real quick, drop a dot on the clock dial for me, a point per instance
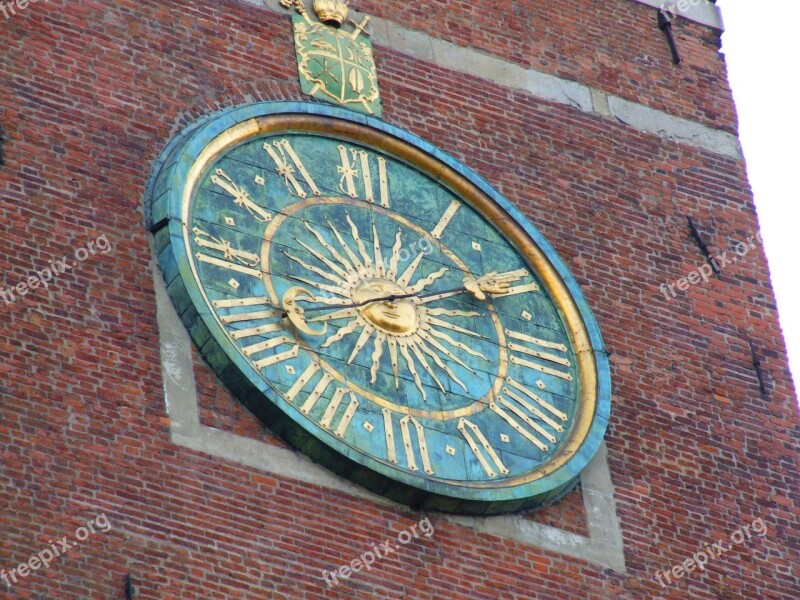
(393, 307)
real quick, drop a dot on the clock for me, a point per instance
(381, 307)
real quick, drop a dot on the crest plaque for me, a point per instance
(334, 56)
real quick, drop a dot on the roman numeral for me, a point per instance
(246, 316)
(302, 381)
(474, 435)
(288, 163)
(355, 162)
(522, 409)
(240, 196)
(541, 402)
(317, 392)
(445, 220)
(518, 289)
(408, 444)
(333, 406)
(242, 302)
(240, 261)
(256, 309)
(239, 334)
(548, 357)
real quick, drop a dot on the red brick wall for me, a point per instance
(90, 92)
(614, 46)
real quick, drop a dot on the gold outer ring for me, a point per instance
(478, 200)
(440, 415)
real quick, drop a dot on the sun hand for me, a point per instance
(492, 283)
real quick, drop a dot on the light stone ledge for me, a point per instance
(603, 546)
(704, 12)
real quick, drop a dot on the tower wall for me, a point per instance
(576, 114)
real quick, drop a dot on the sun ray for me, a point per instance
(377, 353)
(436, 297)
(395, 260)
(346, 330)
(437, 359)
(353, 258)
(320, 286)
(328, 263)
(422, 361)
(393, 358)
(334, 253)
(362, 249)
(412, 368)
(337, 314)
(380, 268)
(446, 312)
(330, 301)
(313, 269)
(409, 272)
(436, 344)
(443, 336)
(451, 327)
(362, 341)
(423, 283)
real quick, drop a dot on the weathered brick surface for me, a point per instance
(614, 46)
(90, 92)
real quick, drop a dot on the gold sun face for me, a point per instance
(379, 303)
(393, 316)
(399, 320)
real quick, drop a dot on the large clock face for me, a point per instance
(391, 306)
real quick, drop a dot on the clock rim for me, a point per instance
(218, 132)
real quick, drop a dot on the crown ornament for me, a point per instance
(331, 12)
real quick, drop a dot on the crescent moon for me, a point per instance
(296, 314)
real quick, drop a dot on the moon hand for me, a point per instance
(296, 314)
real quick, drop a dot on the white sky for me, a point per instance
(761, 50)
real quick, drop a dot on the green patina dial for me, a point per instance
(392, 316)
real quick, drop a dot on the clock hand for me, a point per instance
(295, 313)
(492, 283)
(389, 298)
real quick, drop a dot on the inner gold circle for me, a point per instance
(479, 404)
(394, 317)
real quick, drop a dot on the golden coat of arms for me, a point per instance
(334, 56)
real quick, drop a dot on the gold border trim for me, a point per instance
(483, 204)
